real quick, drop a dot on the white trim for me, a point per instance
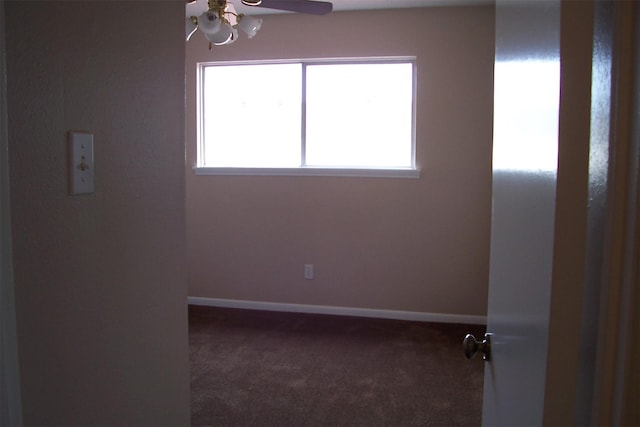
(316, 61)
(382, 171)
(339, 311)
(311, 171)
(360, 60)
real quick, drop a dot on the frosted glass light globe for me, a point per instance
(209, 22)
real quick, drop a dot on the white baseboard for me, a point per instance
(340, 311)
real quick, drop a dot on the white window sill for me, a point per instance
(309, 171)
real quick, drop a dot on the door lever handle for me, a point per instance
(471, 346)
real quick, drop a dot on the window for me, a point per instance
(351, 117)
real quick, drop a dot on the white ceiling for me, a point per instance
(342, 5)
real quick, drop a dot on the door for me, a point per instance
(550, 196)
(525, 152)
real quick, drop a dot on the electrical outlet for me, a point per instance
(308, 271)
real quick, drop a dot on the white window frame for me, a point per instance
(305, 170)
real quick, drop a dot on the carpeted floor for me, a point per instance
(257, 368)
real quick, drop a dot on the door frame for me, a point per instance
(10, 401)
(617, 374)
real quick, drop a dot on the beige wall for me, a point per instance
(100, 279)
(398, 244)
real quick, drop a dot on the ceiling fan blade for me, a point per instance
(301, 6)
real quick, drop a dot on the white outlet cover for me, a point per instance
(80, 163)
(308, 271)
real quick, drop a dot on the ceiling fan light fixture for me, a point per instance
(249, 25)
(220, 23)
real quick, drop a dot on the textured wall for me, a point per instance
(100, 279)
(399, 244)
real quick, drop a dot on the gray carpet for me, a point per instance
(257, 368)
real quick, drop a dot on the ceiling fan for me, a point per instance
(220, 21)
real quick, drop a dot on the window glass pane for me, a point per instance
(252, 116)
(359, 115)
